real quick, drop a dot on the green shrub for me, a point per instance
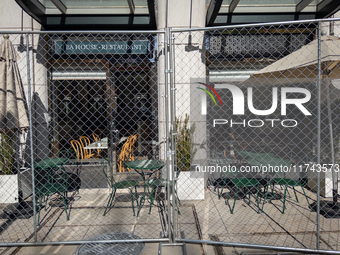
(185, 148)
(6, 154)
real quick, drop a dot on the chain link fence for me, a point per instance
(91, 104)
(256, 128)
(228, 135)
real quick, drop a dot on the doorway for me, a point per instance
(135, 111)
(78, 109)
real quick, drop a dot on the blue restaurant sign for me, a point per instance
(102, 47)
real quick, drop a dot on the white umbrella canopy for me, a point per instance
(13, 110)
(301, 66)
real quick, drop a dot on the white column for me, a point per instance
(189, 64)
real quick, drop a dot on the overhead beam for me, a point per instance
(33, 8)
(60, 5)
(212, 12)
(131, 6)
(233, 5)
(96, 22)
(302, 5)
(327, 8)
(152, 13)
(249, 18)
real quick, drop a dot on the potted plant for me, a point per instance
(185, 149)
(6, 154)
(8, 179)
(190, 186)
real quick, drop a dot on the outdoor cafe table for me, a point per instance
(103, 143)
(262, 160)
(145, 168)
(50, 163)
(47, 170)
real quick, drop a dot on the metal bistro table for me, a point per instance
(47, 170)
(50, 163)
(103, 144)
(43, 168)
(145, 168)
(46, 166)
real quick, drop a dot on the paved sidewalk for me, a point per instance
(149, 249)
(208, 219)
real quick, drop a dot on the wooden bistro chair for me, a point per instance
(96, 138)
(85, 141)
(126, 154)
(76, 145)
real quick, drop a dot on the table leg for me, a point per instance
(140, 204)
(142, 199)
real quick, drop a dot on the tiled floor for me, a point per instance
(208, 219)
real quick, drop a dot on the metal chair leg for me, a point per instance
(265, 196)
(142, 199)
(65, 206)
(297, 200)
(136, 194)
(258, 200)
(305, 196)
(133, 205)
(220, 193)
(248, 196)
(109, 203)
(39, 209)
(232, 209)
(152, 198)
(284, 200)
(179, 201)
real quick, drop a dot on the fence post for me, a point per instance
(318, 139)
(173, 134)
(168, 149)
(31, 133)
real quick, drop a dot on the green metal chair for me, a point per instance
(48, 189)
(289, 183)
(74, 181)
(245, 184)
(147, 168)
(268, 159)
(156, 184)
(48, 182)
(114, 186)
(231, 181)
(225, 179)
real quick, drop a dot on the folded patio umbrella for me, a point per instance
(13, 110)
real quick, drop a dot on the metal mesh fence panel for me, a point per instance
(256, 145)
(227, 135)
(88, 104)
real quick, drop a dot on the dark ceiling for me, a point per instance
(141, 14)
